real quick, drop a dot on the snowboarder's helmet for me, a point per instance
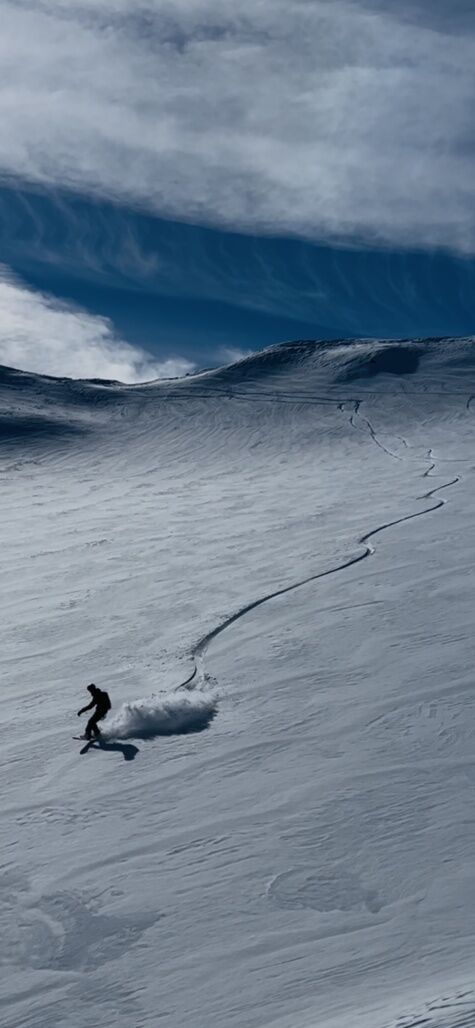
(91, 687)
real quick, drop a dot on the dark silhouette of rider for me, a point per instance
(100, 700)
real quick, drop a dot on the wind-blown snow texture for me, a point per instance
(277, 556)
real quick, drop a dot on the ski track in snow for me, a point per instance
(197, 677)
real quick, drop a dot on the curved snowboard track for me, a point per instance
(201, 646)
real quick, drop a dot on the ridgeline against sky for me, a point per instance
(184, 182)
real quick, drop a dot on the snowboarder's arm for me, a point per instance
(89, 707)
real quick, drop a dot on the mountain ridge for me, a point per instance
(354, 357)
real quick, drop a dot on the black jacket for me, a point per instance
(100, 700)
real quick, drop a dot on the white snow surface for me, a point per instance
(278, 557)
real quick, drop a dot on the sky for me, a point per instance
(183, 183)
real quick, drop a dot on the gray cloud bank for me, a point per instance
(323, 119)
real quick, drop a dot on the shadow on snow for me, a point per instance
(129, 752)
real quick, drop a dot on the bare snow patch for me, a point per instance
(162, 714)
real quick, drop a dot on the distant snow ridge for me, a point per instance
(162, 714)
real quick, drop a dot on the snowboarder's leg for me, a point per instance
(92, 727)
(95, 727)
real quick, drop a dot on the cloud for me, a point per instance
(38, 333)
(232, 354)
(325, 119)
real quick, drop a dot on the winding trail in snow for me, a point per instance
(198, 651)
(371, 431)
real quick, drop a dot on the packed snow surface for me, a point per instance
(269, 567)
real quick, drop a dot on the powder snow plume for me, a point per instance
(163, 714)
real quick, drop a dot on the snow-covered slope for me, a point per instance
(269, 567)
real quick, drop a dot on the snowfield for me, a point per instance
(270, 569)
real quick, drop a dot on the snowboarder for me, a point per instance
(100, 700)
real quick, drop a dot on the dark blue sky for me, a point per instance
(179, 288)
